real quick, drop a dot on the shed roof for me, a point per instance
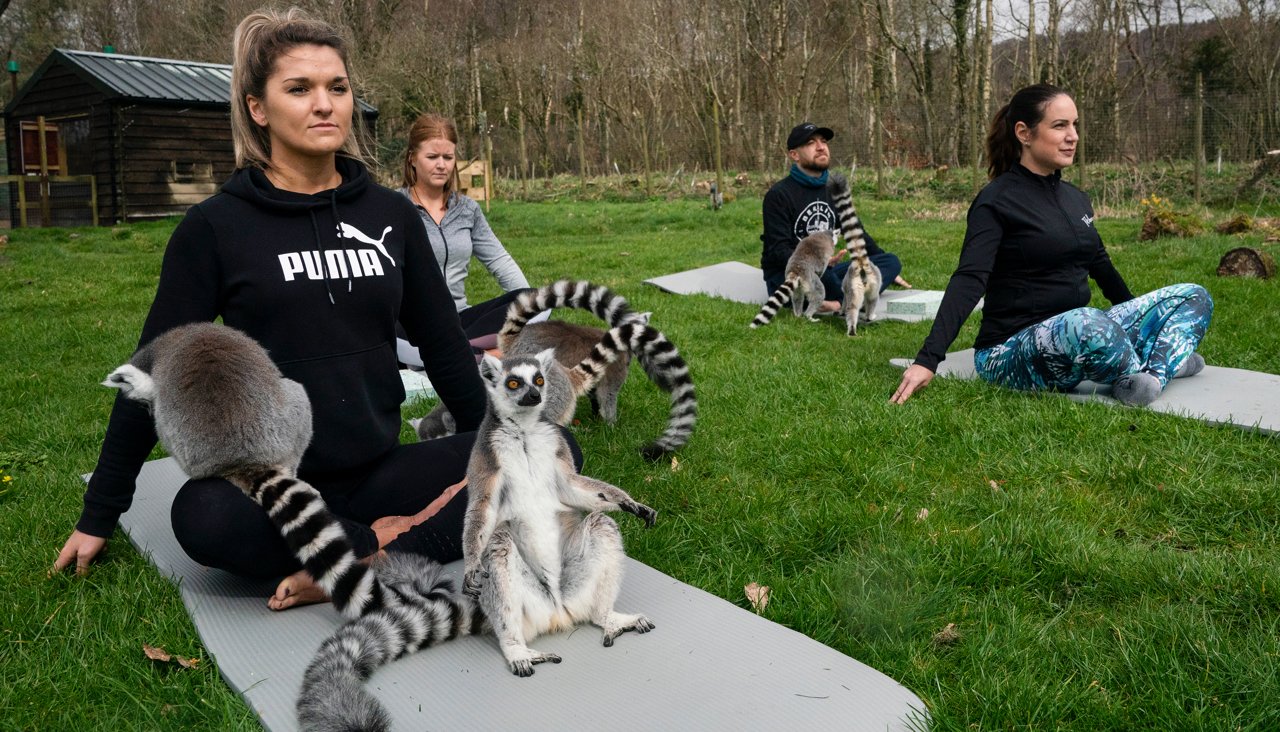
(147, 79)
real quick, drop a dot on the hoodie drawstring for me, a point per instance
(337, 227)
(324, 263)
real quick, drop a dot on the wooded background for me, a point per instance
(642, 86)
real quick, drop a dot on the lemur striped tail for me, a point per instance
(314, 536)
(399, 604)
(582, 295)
(427, 611)
(656, 354)
(665, 367)
(850, 224)
(776, 302)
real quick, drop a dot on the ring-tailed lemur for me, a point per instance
(539, 553)
(572, 344)
(656, 354)
(861, 284)
(222, 408)
(803, 283)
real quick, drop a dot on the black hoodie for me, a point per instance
(320, 281)
(1030, 246)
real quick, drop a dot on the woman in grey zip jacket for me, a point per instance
(455, 224)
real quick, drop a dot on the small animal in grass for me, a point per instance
(574, 346)
(717, 198)
(802, 286)
(540, 553)
(222, 408)
(861, 283)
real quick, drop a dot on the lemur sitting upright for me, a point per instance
(539, 552)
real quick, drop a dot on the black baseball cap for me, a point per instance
(804, 132)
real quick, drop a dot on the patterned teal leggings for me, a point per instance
(1154, 332)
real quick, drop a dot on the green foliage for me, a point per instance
(1160, 218)
(1105, 568)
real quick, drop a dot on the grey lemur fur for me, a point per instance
(539, 552)
(222, 408)
(803, 283)
(861, 284)
(656, 354)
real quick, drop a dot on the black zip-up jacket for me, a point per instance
(1030, 247)
(791, 212)
(320, 281)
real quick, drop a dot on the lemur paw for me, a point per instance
(644, 512)
(638, 623)
(471, 582)
(523, 667)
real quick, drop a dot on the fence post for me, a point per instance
(46, 192)
(22, 202)
(1199, 132)
(879, 140)
(93, 197)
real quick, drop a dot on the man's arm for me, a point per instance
(779, 237)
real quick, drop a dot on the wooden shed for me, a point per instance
(145, 137)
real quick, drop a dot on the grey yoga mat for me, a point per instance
(1217, 395)
(745, 284)
(709, 665)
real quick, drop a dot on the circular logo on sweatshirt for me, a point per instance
(817, 216)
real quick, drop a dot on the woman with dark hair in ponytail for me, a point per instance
(1030, 248)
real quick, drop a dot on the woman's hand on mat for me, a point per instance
(388, 528)
(915, 378)
(79, 550)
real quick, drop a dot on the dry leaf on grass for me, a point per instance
(155, 653)
(948, 636)
(922, 515)
(758, 594)
(675, 463)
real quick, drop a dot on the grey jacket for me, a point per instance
(462, 233)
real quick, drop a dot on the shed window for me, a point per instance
(190, 171)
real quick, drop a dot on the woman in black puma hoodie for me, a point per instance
(307, 255)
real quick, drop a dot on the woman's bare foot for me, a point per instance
(296, 589)
(901, 282)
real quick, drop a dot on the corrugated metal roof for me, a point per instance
(143, 78)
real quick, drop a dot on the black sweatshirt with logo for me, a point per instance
(320, 281)
(1030, 247)
(791, 212)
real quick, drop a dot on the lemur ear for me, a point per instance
(490, 368)
(546, 357)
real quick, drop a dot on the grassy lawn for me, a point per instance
(1104, 567)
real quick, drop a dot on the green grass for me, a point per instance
(1104, 567)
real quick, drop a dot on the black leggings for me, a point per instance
(218, 526)
(486, 318)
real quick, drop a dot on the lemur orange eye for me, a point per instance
(513, 384)
(539, 381)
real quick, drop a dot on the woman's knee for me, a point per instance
(218, 526)
(1198, 294)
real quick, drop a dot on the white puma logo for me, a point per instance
(350, 232)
